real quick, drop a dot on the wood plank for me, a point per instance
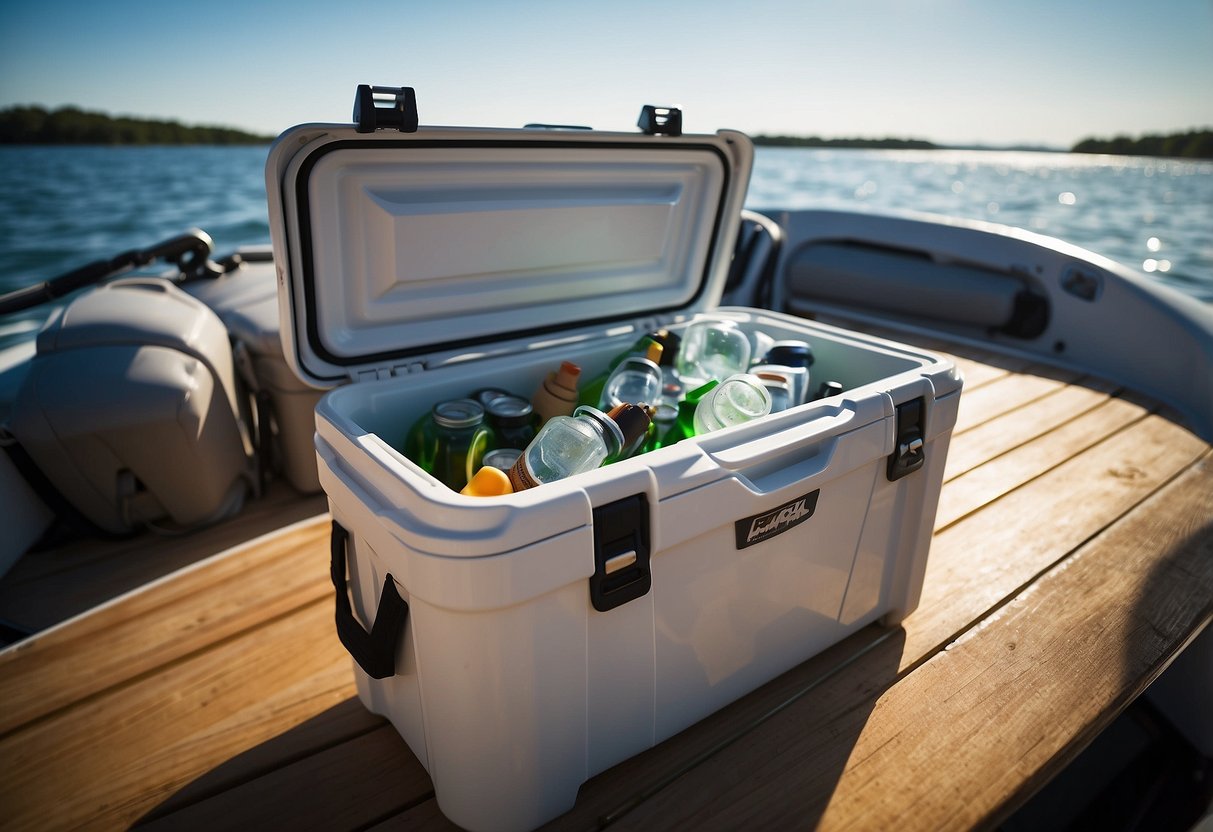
(1003, 433)
(115, 756)
(986, 483)
(1007, 394)
(974, 731)
(334, 726)
(46, 587)
(348, 786)
(163, 622)
(989, 555)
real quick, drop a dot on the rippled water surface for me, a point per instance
(61, 207)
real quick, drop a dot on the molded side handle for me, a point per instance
(375, 651)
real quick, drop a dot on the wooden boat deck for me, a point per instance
(1072, 560)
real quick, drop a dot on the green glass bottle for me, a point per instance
(684, 424)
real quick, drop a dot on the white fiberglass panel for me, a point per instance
(425, 246)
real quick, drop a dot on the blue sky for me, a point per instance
(952, 71)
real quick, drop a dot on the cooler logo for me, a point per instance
(778, 520)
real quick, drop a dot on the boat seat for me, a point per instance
(909, 284)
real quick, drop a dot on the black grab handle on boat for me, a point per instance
(375, 651)
(190, 252)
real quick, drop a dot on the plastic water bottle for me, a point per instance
(739, 398)
(636, 379)
(569, 445)
(591, 392)
(712, 349)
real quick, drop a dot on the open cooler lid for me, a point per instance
(393, 248)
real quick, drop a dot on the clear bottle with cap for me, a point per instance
(591, 391)
(636, 379)
(569, 445)
(557, 393)
(737, 399)
(712, 349)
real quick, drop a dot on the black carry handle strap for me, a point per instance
(375, 651)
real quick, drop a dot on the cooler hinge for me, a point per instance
(398, 110)
(909, 451)
(621, 553)
(381, 373)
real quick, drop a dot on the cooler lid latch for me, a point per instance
(909, 451)
(399, 110)
(663, 121)
(621, 553)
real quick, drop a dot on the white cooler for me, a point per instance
(521, 644)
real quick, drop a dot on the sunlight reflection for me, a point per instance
(1066, 198)
(1153, 244)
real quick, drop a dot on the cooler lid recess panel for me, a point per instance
(394, 247)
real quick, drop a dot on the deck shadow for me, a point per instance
(342, 769)
(1140, 770)
(805, 722)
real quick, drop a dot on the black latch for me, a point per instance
(664, 121)
(621, 553)
(909, 453)
(399, 112)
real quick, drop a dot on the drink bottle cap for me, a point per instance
(488, 482)
(502, 458)
(459, 413)
(607, 427)
(769, 378)
(486, 395)
(567, 375)
(654, 352)
(790, 354)
(670, 342)
(510, 411)
(633, 421)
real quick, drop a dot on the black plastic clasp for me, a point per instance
(621, 553)
(909, 452)
(400, 111)
(375, 651)
(663, 121)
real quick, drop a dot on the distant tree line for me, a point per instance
(1195, 144)
(814, 141)
(70, 125)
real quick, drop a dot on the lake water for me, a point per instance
(62, 207)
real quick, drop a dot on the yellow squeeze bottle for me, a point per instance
(488, 482)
